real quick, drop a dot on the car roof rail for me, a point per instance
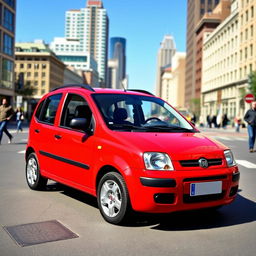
(142, 91)
(84, 86)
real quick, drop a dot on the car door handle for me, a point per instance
(57, 136)
(37, 131)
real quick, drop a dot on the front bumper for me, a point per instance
(172, 192)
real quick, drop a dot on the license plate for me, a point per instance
(205, 188)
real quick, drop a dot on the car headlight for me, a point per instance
(157, 161)
(229, 158)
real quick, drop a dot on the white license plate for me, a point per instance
(205, 188)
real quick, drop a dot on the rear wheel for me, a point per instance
(34, 179)
(113, 198)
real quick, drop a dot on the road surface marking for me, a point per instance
(246, 164)
(22, 152)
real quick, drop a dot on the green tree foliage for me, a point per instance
(252, 82)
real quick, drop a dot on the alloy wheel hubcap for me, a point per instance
(110, 198)
(32, 171)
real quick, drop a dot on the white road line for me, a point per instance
(221, 138)
(241, 139)
(22, 152)
(246, 164)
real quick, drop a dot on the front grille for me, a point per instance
(218, 177)
(200, 199)
(195, 163)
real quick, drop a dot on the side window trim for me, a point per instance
(63, 111)
(43, 109)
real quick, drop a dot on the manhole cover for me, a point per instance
(38, 233)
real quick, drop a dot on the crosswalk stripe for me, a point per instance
(246, 164)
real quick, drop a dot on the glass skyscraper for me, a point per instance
(86, 31)
(117, 63)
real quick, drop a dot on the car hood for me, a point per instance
(178, 145)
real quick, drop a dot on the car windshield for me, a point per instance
(127, 112)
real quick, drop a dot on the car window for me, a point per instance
(39, 110)
(50, 109)
(125, 111)
(75, 107)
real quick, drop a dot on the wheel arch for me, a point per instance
(103, 170)
(28, 152)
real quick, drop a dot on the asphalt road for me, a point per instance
(229, 231)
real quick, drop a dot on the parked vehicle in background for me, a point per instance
(130, 149)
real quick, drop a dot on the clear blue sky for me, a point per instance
(142, 22)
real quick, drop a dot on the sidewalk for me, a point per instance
(229, 131)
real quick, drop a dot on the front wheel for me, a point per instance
(113, 198)
(34, 179)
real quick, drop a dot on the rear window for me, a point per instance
(47, 109)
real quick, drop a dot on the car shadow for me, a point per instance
(241, 211)
(71, 192)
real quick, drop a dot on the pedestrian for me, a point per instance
(6, 113)
(237, 123)
(250, 118)
(19, 118)
(209, 121)
(225, 121)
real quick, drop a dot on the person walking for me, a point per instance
(6, 113)
(250, 118)
(19, 119)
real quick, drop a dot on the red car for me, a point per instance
(130, 149)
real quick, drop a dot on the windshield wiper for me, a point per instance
(168, 128)
(126, 126)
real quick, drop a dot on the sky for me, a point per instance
(142, 22)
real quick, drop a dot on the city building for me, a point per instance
(117, 63)
(195, 11)
(164, 59)
(247, 46)
(221, 82)
(86, 33)
(7, 38)
(69, 52)
(38, 71)
(173, 81)
(207, 24)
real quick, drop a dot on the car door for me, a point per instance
(75, 147)
(44, 131)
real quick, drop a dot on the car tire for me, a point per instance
(33, 176)
(113, 198)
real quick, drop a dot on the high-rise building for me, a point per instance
(7, 36)
(221, 83)
(86, 33)
(164, 59)
(195, 11)
(208, 23)
(247, 47)
(173, 81)
(117, 63)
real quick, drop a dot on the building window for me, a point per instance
(36, 66)
(36, 74)
(252, 12)
(21, 65)
(8, 45)
(7, 73)
(8, 20)
(29, 74)
(43, 74)
(11, 3)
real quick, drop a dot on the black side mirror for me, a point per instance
(79, 123)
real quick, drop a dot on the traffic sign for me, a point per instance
(249, 98)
